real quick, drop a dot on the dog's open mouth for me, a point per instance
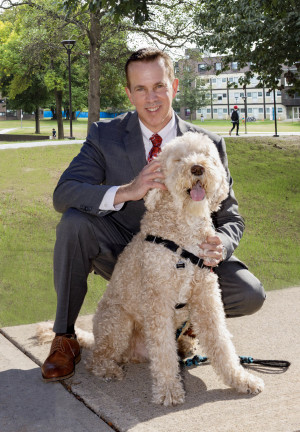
(197, 193)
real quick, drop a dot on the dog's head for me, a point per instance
(194, 175)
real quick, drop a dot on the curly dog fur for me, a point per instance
(136, 318)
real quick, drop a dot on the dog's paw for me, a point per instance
(250, 384)
(168, 394)
(106, 369)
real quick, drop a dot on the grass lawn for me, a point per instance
(266, 184)
(80, 127)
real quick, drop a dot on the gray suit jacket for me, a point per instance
(114, 154)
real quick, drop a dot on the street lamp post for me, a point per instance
(245, 102)
(69, 45)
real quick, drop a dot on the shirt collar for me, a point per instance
(147, 133)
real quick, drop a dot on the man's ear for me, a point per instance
(128, 92)
(175, 86)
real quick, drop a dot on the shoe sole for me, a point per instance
(76, 361)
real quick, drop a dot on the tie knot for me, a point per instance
(156, 140)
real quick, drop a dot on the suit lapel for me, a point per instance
(182, 126)
(134, 144)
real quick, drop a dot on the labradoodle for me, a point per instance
(136, 319)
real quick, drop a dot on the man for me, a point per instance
(235, 120)
(101, 198)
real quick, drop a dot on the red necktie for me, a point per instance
(156, 142)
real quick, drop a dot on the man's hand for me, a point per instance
(145, 181)
(212, 251)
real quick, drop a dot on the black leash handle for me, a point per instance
(197, 360)
(270, 363)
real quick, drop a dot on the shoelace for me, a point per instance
(57, 345)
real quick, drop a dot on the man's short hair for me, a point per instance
(150, 55)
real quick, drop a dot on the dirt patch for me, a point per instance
(283, 142)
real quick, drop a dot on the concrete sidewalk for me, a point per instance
(87, 404)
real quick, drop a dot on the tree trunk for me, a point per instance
(94, 71)
(59, 118)
(37, 120)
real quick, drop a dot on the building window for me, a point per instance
(230, 79)
(249, 94)
(260, 110)
(224, 79)
(202, 67)
(187, 112)
(225, 110)
(215, 110)
(278, 93)
(234, 65)
(219, 97)
(241, 95)
(236, 95)
(218, 66)
(208, 110)
(268, 93)
(250, 110)
(280, 110)
(268, 110)
(214, 80)
(260, 94)
(224, 95)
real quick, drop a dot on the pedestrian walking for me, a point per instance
(235, 120)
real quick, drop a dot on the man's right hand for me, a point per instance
(145, 181)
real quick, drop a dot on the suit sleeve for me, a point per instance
(82, 185)
(228, 223)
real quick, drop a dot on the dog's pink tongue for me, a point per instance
(197, 192)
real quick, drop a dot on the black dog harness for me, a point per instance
(172, 246)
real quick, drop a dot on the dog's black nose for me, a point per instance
(197, 170)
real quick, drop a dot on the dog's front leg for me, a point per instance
(161, 345)
(208, 321)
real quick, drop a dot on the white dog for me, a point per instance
(160, 269)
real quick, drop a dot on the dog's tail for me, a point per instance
(45, 334)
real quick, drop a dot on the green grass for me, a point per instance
(266, 184)
(28, 127)
(80, 127)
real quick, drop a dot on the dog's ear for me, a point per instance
(152, 198)
(219, 196)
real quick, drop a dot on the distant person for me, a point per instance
(235, 120)
(53, 133)
(202, 118)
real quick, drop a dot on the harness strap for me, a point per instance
(172, 246)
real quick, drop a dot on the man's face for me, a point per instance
(151, 92)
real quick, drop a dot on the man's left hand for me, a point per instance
(212, 251)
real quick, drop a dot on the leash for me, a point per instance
(197, 359)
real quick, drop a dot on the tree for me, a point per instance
(192, 91)
(263, 33)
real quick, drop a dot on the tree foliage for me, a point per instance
(265, 33)
(192, 90)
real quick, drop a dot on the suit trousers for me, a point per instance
(86, 242)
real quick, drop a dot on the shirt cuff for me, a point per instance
(107, 202)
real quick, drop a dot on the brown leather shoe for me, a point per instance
(64, 355)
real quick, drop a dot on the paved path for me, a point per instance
(27, 404)
(81, 141)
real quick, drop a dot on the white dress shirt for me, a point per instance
(167, 133)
